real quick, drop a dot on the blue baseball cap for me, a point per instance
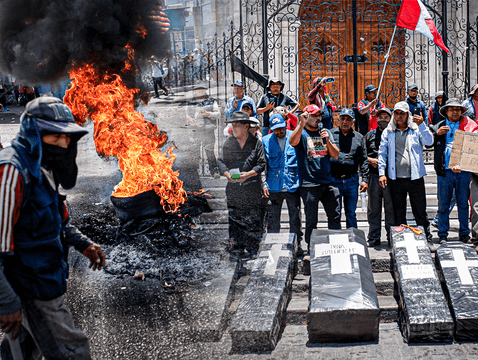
(347, 112)
(238, 83)
(277, 121)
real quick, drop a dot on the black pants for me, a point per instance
(329, 196)
(246, 226)
(293, 206)
(158, 82)
(418, 200)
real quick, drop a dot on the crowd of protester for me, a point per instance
(373, 150)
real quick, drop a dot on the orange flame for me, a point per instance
(123, 132)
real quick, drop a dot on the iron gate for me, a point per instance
(346, 39)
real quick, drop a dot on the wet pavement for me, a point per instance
(126, 318)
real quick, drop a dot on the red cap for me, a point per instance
(312, 109)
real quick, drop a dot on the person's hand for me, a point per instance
(235, 104)
(374, 102)
(244, 176)
(417, 119)
(373, 162)
(270, 106)
(443, 130)
(11, 323)
(363, 186)
(96, 256)
(265, 193)
(382, 180)
(229, 178)
(323, 81)
(324, 134)
(456, 169)
(286, 111)
(303, 118)
(204, 112)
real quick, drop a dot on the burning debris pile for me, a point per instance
(164, 247)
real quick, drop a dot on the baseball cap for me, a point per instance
(53, 116)
(277, 121)
(386, 110)
(313, 109)
(412, 86)
(370, 88)
(254, 122)
(402, 105)
(347, 112)
(238, 83)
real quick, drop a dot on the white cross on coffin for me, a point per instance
(339, 249)
(273, 258)
(411, 244)
(462, 265)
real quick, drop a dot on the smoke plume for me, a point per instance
(41, 39)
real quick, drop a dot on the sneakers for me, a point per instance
(443, 239)
(434, 223)
(372, 243)
(466, 239)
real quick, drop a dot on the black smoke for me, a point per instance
(41, 39)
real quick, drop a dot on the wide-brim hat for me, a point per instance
(473, 90)
(274, 80)
(239, 116)
(453, 102)
(53, 117)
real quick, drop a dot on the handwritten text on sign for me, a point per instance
(465, 151)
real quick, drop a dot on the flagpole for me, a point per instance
(386, 61)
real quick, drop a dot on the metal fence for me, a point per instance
(346, 39)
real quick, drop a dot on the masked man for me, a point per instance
(36, 234)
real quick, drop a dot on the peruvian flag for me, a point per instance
(413, 15)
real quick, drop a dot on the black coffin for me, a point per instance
(343, 303)
(458, 268)
(261, 311)
(423, 311)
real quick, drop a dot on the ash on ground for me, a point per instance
(168, 247)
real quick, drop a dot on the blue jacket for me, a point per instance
(420, 105)
(418, 136)
(229, 110)
(282, 167)
(38, 267)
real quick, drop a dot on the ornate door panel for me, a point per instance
(335, 33)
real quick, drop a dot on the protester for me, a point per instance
(451, 179)
(249, 107)
(157, 74)
(471, 103)
(241, 162)
(376, 194)
(203, 116)
(352, 157)
(235, 103)
(368, 108)
(255, 128)
(314, 148)
(417, 107)
(271, 99)
(401, 152)
(281, 177)
(474, 207)
(434, 115)
(36, 234)
(318, 96)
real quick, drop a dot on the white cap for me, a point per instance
(402, 105)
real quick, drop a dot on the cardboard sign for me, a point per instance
(465, 151)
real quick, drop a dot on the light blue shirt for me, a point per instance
(450, 135)
(229, 110)
(417, 138)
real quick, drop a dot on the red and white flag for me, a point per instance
(413, 15)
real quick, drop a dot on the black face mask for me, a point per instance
(382, 124)
(63, 163)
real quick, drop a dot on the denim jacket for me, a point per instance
(418, 136)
